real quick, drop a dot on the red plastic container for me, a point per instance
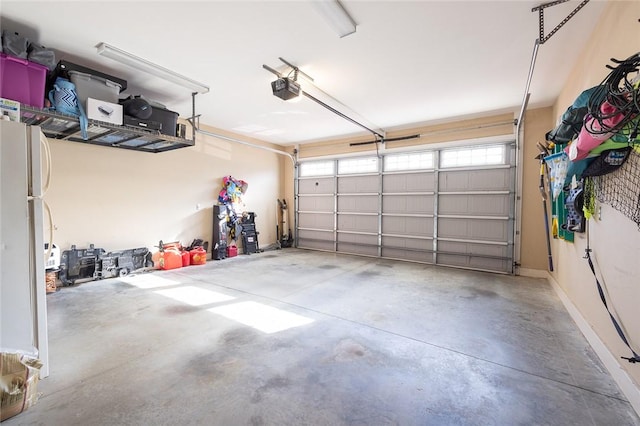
(167, 259)
(186, 258)
(198, 256)
(232, 251)
(22, 80)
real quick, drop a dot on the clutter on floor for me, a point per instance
(19, 376)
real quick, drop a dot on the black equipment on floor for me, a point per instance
(219, 242)
(95, 264)
(249, 234)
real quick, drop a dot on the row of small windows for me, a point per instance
(451, 157)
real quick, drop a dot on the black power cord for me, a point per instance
(620, 89)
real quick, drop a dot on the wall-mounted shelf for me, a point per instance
(67, 127)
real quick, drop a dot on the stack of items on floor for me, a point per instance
(32, 77)
(228, 224)
(175, 255)
(595, 137)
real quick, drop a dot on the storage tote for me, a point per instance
(91, 86)
(22, 80)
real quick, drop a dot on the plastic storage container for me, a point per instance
(91, 86)
(22, 80)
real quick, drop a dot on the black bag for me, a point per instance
(136, 106)
(569, 127)
(608, 161)
(42, 55)
(14, 44)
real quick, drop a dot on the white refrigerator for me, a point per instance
(23, 309)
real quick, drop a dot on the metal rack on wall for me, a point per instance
(67, 127)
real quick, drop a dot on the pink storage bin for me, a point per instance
(22, 80)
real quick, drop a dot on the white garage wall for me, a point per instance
(119, 199)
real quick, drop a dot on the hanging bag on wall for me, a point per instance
(608, 161)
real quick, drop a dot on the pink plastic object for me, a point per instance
(22, 80)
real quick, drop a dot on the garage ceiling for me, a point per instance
(408, 63)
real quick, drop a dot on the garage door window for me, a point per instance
(357, 165)
(408, 161)
(473, 156)
(317, 168)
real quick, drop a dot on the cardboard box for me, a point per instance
(18, 383)
(104, 111)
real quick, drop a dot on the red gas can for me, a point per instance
(186, 258)
(198, 256)
(169, 259)
(232, 251)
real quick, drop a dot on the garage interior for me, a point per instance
(419, 288)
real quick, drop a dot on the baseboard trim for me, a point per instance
(622, 379)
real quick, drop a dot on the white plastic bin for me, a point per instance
(91, 86)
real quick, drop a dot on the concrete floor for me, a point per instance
(381, 343)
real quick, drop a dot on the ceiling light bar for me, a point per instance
(134, 61)
(335, 14)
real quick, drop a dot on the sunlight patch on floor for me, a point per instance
(261, 317)
(194, 296)
(148, 281)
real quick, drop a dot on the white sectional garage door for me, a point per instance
(452, 207)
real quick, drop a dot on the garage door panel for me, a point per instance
(474, 262)
(315, 204)
(358, 184)
(407, 243)
(475, 180)
(316, 186)
(416, 256)
(358, 223)
(359, 244)
(412, 204)
(473, 229)
(473, 255)
(358, 203)
(409, 182)
(474, 205)
(315, 240)
(411, 226)
(315, 221)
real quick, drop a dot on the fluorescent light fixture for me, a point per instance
(134, 61)
(334, 13)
